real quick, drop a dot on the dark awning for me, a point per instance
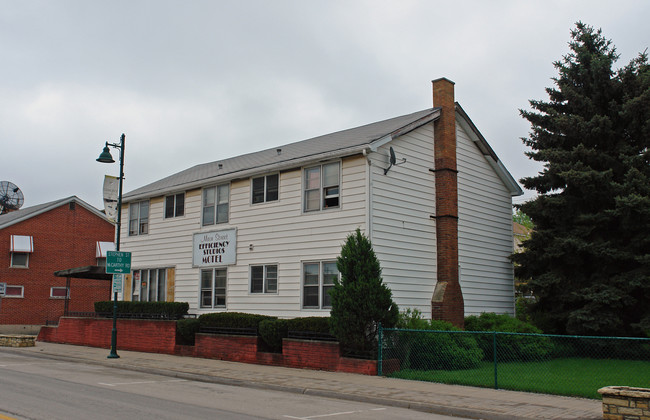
(88, 272)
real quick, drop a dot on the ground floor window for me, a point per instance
(14, 291)
(264, 279)
(59, 292)
(318, 279)
(213, 288)
(149, 285)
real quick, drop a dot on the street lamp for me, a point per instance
(105, 157)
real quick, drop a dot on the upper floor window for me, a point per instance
(264, 279)
(215, 204)
(139, 218)
(20, 248)
(322, 186)
(265, 188)
(318, 280)
(174, 205)
(20, 259)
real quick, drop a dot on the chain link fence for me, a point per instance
(551, 364)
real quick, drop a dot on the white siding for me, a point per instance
(484, 233)
(267, 233)
(403, 233)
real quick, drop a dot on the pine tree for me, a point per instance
(588, 259)
(360, 300)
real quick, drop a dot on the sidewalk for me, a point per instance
(479, 403)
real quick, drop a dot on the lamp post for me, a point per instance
(105, 157)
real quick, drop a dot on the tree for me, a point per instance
(360, 299)
(588, 259)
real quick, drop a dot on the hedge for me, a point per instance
(166, 310)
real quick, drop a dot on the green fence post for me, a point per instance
(494, 351)
(379, 354)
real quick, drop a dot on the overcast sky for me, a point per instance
(191, 82)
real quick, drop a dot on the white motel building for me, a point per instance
(260, 233)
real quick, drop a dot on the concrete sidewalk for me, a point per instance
(479, 403)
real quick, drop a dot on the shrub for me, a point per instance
(360, 299)
(313, 324)
(232, 320)
(167, 310)
(510, 347)
(186, 330)
(437, 349)
(272, 331)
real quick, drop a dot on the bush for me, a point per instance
(232, 320)
(510, 347)
(186, 330)
(424, 345)
(167, 310)
(272, 331)
(312, 324)
(360, 299)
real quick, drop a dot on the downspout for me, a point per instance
(369, 220)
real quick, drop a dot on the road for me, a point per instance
(36, 388)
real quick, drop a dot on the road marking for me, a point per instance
(141, 382)
(3, 417)
(342, 413)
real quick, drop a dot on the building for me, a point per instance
(261, 232)
(37, 241)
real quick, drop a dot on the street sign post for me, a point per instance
(118, 262)
(117, 283)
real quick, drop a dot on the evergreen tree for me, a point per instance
(588, 259)
(360, 300)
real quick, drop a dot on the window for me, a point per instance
(322, 185)
(265, 188)
(20, 248)
(102, 249)
(20, 259)
(14, 291)
(318, 280)
(174, 205)
(264, 279)
(149, 285)
(139, 218)
(213, 288)
(215, 205)
(59, 292)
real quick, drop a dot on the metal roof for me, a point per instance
(338, 144)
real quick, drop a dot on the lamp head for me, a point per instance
(105, 156)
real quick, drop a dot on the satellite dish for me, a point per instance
(11, 198)
(393, 160)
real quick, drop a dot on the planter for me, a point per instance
(625, 403)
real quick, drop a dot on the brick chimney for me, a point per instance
(447, 300)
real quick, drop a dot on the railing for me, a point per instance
(228, 330)
(162, 316)
(553, 364)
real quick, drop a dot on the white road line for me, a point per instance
(141, 382)
(343, 413)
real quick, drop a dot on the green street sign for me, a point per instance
(118, 262)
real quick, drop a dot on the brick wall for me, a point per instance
(64, 237)
(160, 337)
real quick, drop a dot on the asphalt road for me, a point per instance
(37, 388)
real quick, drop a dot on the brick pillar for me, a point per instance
(447, 300)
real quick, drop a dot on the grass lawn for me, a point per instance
(571, 377)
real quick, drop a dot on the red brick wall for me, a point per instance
(160, 337)
(63, 238)
(448, 305)
(150, 336)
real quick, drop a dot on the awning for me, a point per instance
(21, 244)
(103, 247)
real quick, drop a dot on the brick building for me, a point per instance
(37, 241)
